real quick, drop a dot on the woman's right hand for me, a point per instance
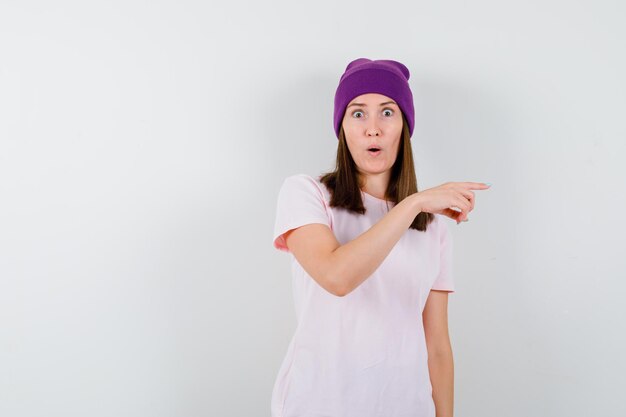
(443, 198)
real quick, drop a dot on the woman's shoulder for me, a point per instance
(307, 181)
(301, 178)
(441, 223)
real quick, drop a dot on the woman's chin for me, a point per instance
(375, 168)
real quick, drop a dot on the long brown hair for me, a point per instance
(345, 189)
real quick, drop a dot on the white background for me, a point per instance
(142, 146)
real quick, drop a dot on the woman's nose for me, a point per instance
(372, 129)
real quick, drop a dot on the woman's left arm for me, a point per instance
(440, 361)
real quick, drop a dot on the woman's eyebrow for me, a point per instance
(364, 105)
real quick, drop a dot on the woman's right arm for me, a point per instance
(341, 268)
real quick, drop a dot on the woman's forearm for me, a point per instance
(355, 261)
(441, 369)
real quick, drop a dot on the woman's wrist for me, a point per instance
(416, 202)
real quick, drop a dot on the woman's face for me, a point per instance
(373, 120)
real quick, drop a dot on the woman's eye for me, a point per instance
(388, 110)
(358, 111)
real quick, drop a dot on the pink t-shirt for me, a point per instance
(364, 354)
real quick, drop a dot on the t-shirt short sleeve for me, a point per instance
(300, 202)
(445, 279)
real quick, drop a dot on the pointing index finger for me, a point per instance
(477, 185)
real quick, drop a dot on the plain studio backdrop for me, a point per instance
(143, 144)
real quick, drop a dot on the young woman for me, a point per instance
(371, 264)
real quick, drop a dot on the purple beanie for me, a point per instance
(383, 76)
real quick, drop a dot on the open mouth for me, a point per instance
(373, 151)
